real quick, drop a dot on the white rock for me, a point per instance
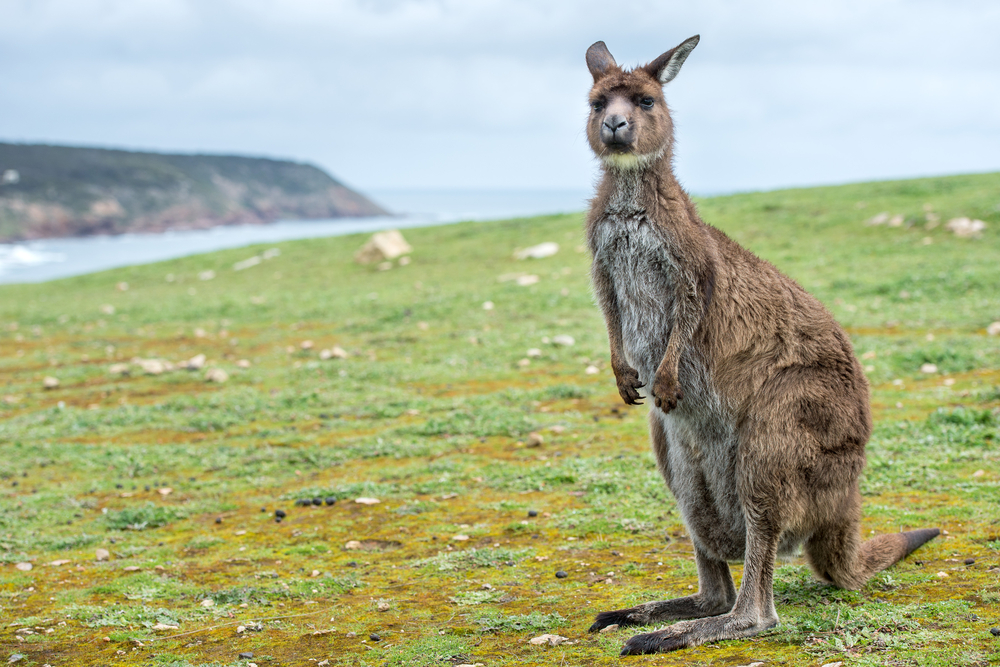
(338, 352)
(547, 640)
(118, 369)
(879, 219)
(306, 345)
(539, 251)
(23, 567)
(609, 628)
(216, 375)
(965, 228)
(151, 366)
(460, 538)
(367, 501)
(488, 305)
(563, 339)
(529, 279)
(247, 263)
(929, 369)
(108, 309)
(50, 382)
(382, 246)
(195, 363)
(993, 329)
(243, 363)
(208, 602)
(64, 561)
(353, 545)
(534, 439)
(591, 370)
(383, 606)
(102, 554)
(165, 626)
(895, 221)
(206, 275)
(839, 663)
(534, 352)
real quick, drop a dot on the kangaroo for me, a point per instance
(760, 410)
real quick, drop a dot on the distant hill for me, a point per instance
(54, 191)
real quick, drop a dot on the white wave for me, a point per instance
(14, 256)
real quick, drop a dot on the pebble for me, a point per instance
(24, 567)
(280, 514)
(609, 628)
(367, 501)
(218, 519)
(532, 512)
(330, 500)
(970, 561)
(534, 439)
(995, 632)
(561, 574)
(317, 501)
(550, 640)
(374, 637)
(102, 554)
(303, 502)
(50, 382)
(246, 655)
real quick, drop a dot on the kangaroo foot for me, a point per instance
(692, 633)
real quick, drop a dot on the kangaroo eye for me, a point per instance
(646, 102)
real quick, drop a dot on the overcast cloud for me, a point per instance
(492, 94)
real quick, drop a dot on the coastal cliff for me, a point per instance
(57, 191)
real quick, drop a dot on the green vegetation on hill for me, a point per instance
(432, 413)
(67, 191)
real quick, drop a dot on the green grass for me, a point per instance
(432, 413)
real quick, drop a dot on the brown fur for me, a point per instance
(761, 411)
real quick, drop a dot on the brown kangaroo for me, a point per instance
(760, 413)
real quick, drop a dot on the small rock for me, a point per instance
(15, 657)
(879, 219)
(561, 574)
(240, 629)
(965, 228)
(50, 382)
(218, 519)
(549, 640)
(524, 362)
(525, 281)
(534, 352)
(942, 575)
(929, 369)
(208, 602)
(979, 473)
(367, 501)
(246, 655)
(330, 500)
(374, 637)
(383, 246)
(151, 366)
(896, 221)
(839, 663)
(539, 251)
(59, 563)
(280, 514)
(609, 628)
(382, 606)
(23, 567)
(132, 568)
(460, 538)
(243, 363)
(317, 501)
(118, 369)
(195, 363)
(351, 634)
(761, 664)
(564, 340)
(995, 632)
(353, 545)
(216, 375)
(532, 512)
(165, 626)
(306, 345)
(102, 554)
(970, 561)
(534, 439)
(488, 305)
(165, 491)
(337, 352)
(993, 329)
(591, 370)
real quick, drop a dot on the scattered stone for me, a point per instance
(374, 637)
(50, 382)
(132, 568)
(547, 640)
(979, 473)
(460, 538)
(383, 246)
(532, 513)
(367, 501)
(561, 574)
(280, 514)
(564, 340)
(993, 329)
(195, 363)
(216, 375)
(488, 305)
(591, 370)
(382, 606)
(895, 221)
(970, 561)
(929, 369)
(118, 369)
(243, 363)
(524, 362)
(102, 554)
(526, 280)
(206, 275)
(306, 345)
(535, 439)
(218, 519)
(317, 501)
(160, 627)
(23, 567)
(60, 562)
(995, 632)
(609, 628)
(246, 655)
(539, 251)
(965, 228)
(942, 575)
(534, 352)
(240, 629)
(209, 602)
(879, 219)
(15, 657)
(165, 491)
(353, 545)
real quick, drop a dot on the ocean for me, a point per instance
(48, 259)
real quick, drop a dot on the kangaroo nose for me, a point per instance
(615, 123)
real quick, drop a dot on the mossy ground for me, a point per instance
(431, 414)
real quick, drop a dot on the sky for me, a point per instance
(491, 94)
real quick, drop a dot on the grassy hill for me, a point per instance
(432, 412)
(68, 191)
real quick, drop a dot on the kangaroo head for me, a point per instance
(629, 125)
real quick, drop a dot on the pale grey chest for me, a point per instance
(633, 254)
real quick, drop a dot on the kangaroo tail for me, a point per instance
(839, 555)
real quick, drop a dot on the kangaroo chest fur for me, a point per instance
(700, 451)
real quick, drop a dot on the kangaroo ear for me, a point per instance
(599, 60)
(666, 67)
